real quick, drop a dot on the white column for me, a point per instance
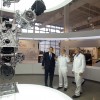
(66, 19)
(66, 25)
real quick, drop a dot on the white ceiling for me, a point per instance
(23, 5)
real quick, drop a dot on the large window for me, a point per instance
(46, 29)
(45, 44)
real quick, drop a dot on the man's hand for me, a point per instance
(80, 74)
(55, 58)
(72, 72)
(42, 67)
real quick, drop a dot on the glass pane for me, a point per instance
(47, 46)
(37, 24)
(52, 46)
(36, 31)
(52, 26)
(47, 29)
(36, 28)
(62, 28)
(47, 32)
(46, 49)
(57, 52)
(58, 27)
(30, 31)
(47, 25)
(32, 28)
(43, 29)
(42, 42)
(57, 47)
(41, 47)
(57, 31)
(47, 42)
(57, 43)
(52, 30)
(24, 30)
(52, 43)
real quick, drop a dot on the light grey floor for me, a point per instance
(91, 90)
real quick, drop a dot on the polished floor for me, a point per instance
(91, 90)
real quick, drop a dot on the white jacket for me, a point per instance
(62, 62)
(79, 63)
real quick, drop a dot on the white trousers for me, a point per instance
(81, 81)
(78, 80)
(63, 77)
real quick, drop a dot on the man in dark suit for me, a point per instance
(49, 66)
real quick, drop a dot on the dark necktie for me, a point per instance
(50, 55)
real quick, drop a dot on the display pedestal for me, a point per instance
(8, 88)
(36, 92)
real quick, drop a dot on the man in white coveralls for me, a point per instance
(63, 60)
(78, 69)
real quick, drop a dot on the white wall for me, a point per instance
(91, 73)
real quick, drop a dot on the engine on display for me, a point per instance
(26, 19)
(9, 35)
(9, 55)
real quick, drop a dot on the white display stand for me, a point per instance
(91, 72)
(36, 92)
